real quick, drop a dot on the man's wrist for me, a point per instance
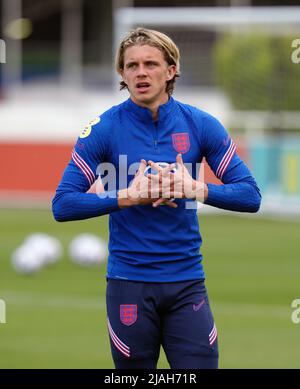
(199, 192)
(205, 192)
(124, 200)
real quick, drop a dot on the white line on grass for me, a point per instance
(251, 310)
(44, 300)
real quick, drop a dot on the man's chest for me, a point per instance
(155, 141)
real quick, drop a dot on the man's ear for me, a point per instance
(122, 75)
(171, 72)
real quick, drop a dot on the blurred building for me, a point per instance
(81, 32)
(59, 74)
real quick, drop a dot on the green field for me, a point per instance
(56, 319)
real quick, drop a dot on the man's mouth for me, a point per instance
(142, 86)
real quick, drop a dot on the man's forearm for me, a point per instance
(240, 197)
(123, 199)
(69, 206)
(199, 191)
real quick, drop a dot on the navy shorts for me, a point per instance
(143, 316)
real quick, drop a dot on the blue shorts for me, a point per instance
(143, 316)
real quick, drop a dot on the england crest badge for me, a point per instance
(128, 314)
(181, 142)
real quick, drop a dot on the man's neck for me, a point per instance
(154, 107)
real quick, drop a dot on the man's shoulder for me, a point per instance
(105, 121)
(101, 124)
(193, 110)
(202, 119)
(113, 112)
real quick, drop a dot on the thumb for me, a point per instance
(179, 159)
(142, 166)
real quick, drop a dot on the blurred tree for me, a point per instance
(257, 73)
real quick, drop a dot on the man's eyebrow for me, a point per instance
(152, 60)
(130, 62)
(146, 60)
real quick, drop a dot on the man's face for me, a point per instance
(146, 73)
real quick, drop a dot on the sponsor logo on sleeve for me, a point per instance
(88, 129)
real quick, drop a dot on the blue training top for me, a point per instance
(153, 244)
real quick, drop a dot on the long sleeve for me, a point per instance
(241, 196)
(239, 191)
(78, 206)
(67, 206)
(71, 202)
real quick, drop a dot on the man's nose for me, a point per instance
(141, 71)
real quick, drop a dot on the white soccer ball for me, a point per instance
(88, 250)
(26, 261)
(48, 248)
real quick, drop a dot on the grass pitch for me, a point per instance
(56, 318)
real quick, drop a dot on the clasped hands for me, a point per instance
(171, 182)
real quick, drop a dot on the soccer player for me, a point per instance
(156, 292)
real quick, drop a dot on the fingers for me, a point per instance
(179, 159)
(142, 167)
(167, 202)
(158, 202)
(167, 170)
(155, 166)
(171, 204)
(163, 170)
(161, 184)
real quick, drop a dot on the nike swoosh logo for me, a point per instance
(197, 307)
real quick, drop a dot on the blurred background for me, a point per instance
(240, 62)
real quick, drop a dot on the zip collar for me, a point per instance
(145, 114)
